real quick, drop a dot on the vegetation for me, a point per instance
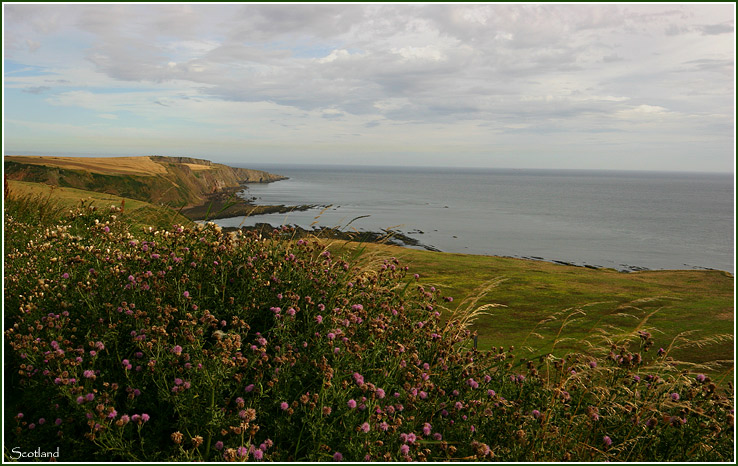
(189, 343)
(527, 302)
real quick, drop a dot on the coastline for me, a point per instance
(399, 239)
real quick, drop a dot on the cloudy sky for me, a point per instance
(619, 86)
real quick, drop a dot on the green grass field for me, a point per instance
(139, 213)
(553, 308)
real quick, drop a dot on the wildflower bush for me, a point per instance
(193, 344)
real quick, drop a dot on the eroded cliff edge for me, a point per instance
(176, 181)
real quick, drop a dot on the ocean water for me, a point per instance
(617, 219)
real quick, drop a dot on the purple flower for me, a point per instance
(427, 429)
(365, 427)
(700, 378)
(258, 454)
(65, 275)
(186, 294)
(284, 406)
(351, 404)
(90, 397)
(358, 378)
(380, 393)
(113, 414)
(218, 445)
(331, 335)
(535, 413)
(242, 452)
(249, 388)
(607, 441)
(42, 421)
(404, 449)
(177, 350)
(145, 417)
(80, 400)
(337, 456)
(89, 374)
(178, 381)
(675, 397)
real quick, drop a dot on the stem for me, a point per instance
(210, 433)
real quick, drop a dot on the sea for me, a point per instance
(626, 220)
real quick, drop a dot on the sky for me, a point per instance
(570, 86)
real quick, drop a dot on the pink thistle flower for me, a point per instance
(258, 454)
(145, 417)
(607, 441)
(351, 404)
(88, 374)
(284, 406)
(404, 449)
(337, 456)
(218, 445)
(365, 427)
(675, 397)
(242, 452)
(177, 350)
(380, 393)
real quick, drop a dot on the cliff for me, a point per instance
(177, 181)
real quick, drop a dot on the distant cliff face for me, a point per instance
(172, 180)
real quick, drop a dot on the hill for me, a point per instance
(175, 181)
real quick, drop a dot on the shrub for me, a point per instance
(191, 344)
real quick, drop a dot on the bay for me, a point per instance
(623, 220)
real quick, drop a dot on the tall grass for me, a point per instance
(190, 344)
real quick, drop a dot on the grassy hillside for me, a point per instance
(550, 307)
(57, 199)
(174, 181)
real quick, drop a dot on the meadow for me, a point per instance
(127, 342)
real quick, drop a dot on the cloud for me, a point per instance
(37, 90)
(482, 70)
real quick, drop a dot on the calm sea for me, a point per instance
(622, 220)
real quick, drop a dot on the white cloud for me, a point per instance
(369, 69)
